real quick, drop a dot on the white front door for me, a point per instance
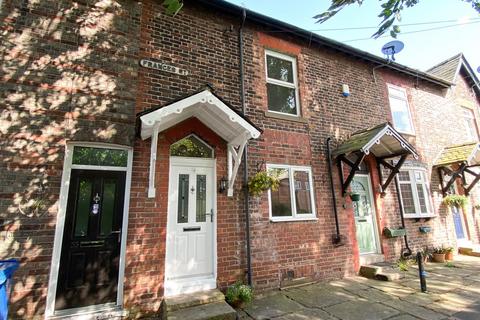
(189, 263)
(365, 219)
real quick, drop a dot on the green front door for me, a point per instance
(364, 211)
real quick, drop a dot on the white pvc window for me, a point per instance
(415, 193)
(402, 119)
(282, 85)
(294, 199)
(470, 124)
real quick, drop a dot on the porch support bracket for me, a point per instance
(153, 162)
(354, 166)
(394, 169)
(459, 173)
(234, 159)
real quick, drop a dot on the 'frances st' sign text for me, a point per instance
(151, 64)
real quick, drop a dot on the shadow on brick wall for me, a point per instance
(68, 72)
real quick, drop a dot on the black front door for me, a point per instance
(88, 273)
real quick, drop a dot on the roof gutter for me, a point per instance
(312, 37)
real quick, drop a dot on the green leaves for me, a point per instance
(172, 7)
(390, 11)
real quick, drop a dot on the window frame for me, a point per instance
(468, 115)
(295, 216)
(413, 187)
(390, 88)
(281, 83)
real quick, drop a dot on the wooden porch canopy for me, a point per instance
(456, 162)
(384, 142)
(215, 113)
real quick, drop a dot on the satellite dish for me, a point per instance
(390, 48)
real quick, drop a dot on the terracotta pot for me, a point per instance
(449, 256)
(439, 257)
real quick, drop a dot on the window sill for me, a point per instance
(408, 134)
(426, 216)
(275, 115)
(286, 219)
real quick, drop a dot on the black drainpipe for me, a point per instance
(245, 154)
(407, 251)
(337, 238)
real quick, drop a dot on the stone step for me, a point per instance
(383, 272)
(210, 311)
(192, 299)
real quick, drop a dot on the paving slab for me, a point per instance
(471, 313)
(373, 295)
(361, 309)
(272, 306)
(351, 284)
(414, 310)
(453, 294)
(404, 317)
(319, 297)
(423, 299)
(307, 314)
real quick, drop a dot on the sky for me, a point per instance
(457, 27)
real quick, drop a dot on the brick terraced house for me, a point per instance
(127, 137)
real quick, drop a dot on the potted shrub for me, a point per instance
(238, 295)
(261, 182)
(427, 255)
(449, 253)
(439, 254)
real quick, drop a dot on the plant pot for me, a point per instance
(449, 256)
(237, 304)
(355, 197)
(439, 257)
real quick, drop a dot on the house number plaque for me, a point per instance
(157, 65)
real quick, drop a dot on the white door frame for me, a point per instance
(194, 162)
(60, 225)
(376, 234)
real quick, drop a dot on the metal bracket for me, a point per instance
(459, 173)
(354, 167)
(394, 169)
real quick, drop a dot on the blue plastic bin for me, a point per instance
(7, 268)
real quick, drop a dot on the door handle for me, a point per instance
(210, 214)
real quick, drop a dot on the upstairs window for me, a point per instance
(402, 119)
(470, 124)
(282, 88)
(415, 193)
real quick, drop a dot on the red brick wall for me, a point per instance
(71, 73)
(68, 74)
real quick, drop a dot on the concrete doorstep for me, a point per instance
(205, 305)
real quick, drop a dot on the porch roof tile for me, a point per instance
(469, 153)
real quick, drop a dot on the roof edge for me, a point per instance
(313, 37)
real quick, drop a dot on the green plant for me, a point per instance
(239, 294)
(455, 200)
(449, 249)
(439, 250)
(261, 182)
(427, 254)
(403, 264)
